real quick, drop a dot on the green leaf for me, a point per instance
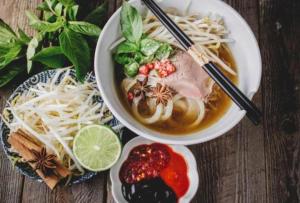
(9, 55)
(44, 26)
(131, 23)
(58, 9)
(31, 49)
(164, 51)
(76, 49)
(132, 69)
(84, 28)
(97, 16)
(23, 37)
(123, 59)
(51, 57)
(72, 12)
(7, 35)
(67, 3)
(11, 71)
(127, 47)
(149, 46)
(43, 6)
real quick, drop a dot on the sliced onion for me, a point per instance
(168, 110)
(201, 114)
(153, 119)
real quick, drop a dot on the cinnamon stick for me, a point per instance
(22, 144)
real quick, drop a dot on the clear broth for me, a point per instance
(221, 106)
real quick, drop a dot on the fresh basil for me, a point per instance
(10, 72)
(149, 46)
(72, 12)
(43, 6)
(164, 51)
(31, 49)
(84, 28)
(97, 16)
(131, 23)
(52, 57)
(23, 37)
(44, 26)
(127, 47)
(123, 59)
(132, 69)
(10, 55)
(7, 35)
(67, 3)
(76, 49)
(58, 9)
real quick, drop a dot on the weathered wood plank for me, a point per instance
(12, 12)
(279, 31)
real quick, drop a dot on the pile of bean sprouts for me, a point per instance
(53, 112)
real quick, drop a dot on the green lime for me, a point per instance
(97, 147)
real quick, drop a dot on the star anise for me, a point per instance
(45, 163)
(141, 88)
(162, 94)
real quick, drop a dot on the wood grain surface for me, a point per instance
(248, 164)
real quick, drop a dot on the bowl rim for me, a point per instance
(200, 139)
(185, 152)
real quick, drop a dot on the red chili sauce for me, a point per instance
(146, 162)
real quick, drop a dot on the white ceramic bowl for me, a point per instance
(182, 150)
(245, 50)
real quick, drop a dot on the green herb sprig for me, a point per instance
(62, 39)
(137, 49)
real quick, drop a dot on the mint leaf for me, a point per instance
(52, 57)
(76, 49)
(131, 23)
(9, 54)
(11, 71)
(67, 3)
(31, 49)
(97, 15)
(164, 51)
(84, 28)
(58, 9)
(132, 69)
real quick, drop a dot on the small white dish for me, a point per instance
(245, 51)
(182, 150)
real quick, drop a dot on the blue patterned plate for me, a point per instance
(24, 168)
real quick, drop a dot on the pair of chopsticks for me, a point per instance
(213, 71)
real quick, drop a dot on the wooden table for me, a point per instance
(248, 164)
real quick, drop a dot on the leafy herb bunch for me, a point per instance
(61, 40)
(138, 48)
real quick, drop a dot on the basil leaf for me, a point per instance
(131, 23)
(58, 9)
(31, 49)
(7, 35)
(67, 3)
(43, 7)
(97, 16)
(76, 49)
(10, 72)
(23, 37)
(127, 47)
(84, 28)
(132, 69)
(164, 51)
(51, 57)
(149, 46)
(123, 59)
(10, 55)
(44, 26)
(72, 12)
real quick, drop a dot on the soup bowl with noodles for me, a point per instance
(156, 89)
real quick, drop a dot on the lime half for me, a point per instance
(97, 147)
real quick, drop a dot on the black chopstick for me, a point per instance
(226, 85)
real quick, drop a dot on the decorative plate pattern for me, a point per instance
(24, 168)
